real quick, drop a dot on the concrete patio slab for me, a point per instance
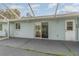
(48, 46)
(9, 51)
(74, 46)
(14, 42)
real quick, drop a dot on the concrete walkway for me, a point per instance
(46, 46)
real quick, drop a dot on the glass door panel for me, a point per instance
(44, 29)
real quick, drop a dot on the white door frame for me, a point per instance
(39, 23)
(70, 35)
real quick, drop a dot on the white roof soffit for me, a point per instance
(46, 17)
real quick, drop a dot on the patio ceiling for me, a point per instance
(37, 9)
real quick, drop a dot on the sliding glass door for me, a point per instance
(41, 30)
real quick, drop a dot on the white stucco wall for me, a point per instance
(55, 30)
(26, 31)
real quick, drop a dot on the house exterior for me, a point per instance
(62, 27)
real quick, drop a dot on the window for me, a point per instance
(17, 25)
(0, 27)
(41, 30)
(69, 25)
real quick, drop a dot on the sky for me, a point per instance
(42, 9)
